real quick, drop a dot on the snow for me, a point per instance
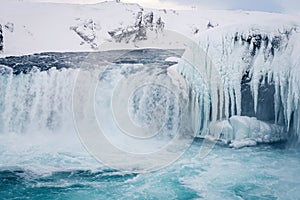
(40, 27)
(44, 27)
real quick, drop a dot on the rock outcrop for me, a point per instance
(1, 38)
(9, 26)
(87, 31)
(138, 31)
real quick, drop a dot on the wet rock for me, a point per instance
(1, 38)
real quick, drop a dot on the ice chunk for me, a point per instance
(242, 131)
(222, 130)
(243, 143)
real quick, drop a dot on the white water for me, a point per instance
(36, 126)
(42, 101)
(37, 112)
(36, 102)
(37, 136)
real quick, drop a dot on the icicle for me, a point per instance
(232, 102)
(226, 103)
(290, 103)
(221, 102)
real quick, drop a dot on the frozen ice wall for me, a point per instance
(254, 72)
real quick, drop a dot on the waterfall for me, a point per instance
(252, 73)
(36, 101)
(36, 97)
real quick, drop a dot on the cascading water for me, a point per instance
(37, 101)
(61, 113)
(36, 97)
(255, 79)
(40, 157)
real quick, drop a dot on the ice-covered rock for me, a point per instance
(138, 31)
(87, 31)
(160, 25)
(243, 143)
(241, 131)
(148, 20)
(210, 25)
(222, 130)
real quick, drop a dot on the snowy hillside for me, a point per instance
(39, 27)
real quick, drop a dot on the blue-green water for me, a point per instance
(263, 172)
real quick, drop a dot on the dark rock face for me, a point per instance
(209, 25)
(269, 45)
(1, 38)
(265, 105)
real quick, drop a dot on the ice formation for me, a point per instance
(257, 75)
(240, 131)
